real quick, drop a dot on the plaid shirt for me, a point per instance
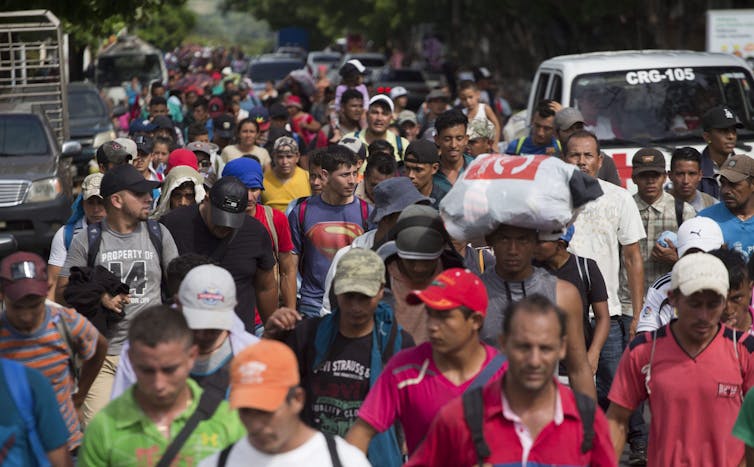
(657, 218)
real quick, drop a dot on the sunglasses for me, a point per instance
(23, 270)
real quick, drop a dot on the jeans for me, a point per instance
(617, 340)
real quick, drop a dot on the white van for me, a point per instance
(633, 99)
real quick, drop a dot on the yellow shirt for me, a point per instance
(278, 194)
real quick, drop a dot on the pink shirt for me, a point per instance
(686, 394)
(412, 389)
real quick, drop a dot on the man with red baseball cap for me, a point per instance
(45, 336)
(417, 382)
(265, 388)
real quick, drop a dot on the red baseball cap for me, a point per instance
(182, 156)
(451, 289)
(23, 274)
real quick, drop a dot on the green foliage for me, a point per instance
(167, 27)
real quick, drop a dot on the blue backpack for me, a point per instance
(20, 391)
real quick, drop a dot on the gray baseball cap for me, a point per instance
(208, 298)
(567, 117)
(394, 195)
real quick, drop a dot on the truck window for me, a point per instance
(113, 70)
(22, 135)
(659, 104)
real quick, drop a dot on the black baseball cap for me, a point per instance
(228, 199)
(720, 117)
(421, 151)
(125, 177)
(648, 160)
(224, 126)
(278, 110)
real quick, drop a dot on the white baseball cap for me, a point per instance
(397, 92)
(384, 98)
(208, 298)
(699, 232)
(697, 272)
(130, 146)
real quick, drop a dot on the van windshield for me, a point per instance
(113, 70)
(664, 104)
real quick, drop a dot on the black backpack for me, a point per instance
(473, 413)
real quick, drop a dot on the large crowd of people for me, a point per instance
(248, 281)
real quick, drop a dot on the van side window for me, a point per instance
(556, 89)
(541, 87)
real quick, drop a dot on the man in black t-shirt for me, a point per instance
(586, 276)
(341, 354)
(220, 229)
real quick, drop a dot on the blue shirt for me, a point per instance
(324, 230)
(442, 183)
(530, 148)
(51, 428)
(737, 234)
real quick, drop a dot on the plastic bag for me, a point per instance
(534, 192)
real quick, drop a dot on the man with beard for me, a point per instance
(136, 251)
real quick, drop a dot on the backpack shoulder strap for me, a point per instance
(210, 399)
(473, 413)
(520, 144)
(65, 333)
(364, 214)
(678, 211)
(399, 145)
(586, 407)
(68, 235)
(155, 235)
(269, 217)
(583, 267)
(332, 448)
(94, 238)
(223, 459)
(18, 385)
(487, 372)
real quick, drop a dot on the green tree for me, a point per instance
(167, 27)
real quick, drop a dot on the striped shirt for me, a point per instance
(46, 350)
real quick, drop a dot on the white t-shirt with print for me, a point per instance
(312, 453)
(611, 220)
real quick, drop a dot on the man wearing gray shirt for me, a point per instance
(126, 247)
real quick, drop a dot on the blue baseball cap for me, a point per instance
(247, 170)
(568, 235)
(139, 126)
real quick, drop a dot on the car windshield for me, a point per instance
(655, 105)
(22, 135)
(326, 58)
(113, 70)
(272, 71)
(85, 105)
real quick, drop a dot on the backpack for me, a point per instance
(520, 144)
(473, 413)
(20, 392)
(398, 143)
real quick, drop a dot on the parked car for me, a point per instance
(271, 67)
(35, 180)
(89, 123)
(413, 80)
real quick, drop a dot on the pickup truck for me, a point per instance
(35, 156)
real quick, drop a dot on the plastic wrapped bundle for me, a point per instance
(535, 192)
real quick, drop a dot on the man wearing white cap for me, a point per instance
(379, 116)
(691, 369)
(207, 298)
(695, 235)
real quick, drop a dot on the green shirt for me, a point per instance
(123, 435)
(744, 427)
